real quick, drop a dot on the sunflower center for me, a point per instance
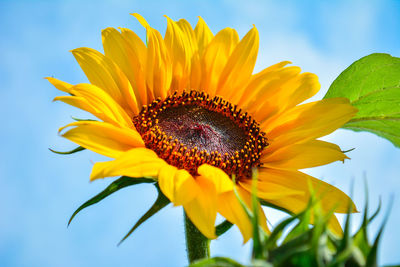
(206, 130)
(191, 129)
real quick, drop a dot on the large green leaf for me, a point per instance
(372, 84)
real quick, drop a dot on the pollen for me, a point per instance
(191, 129)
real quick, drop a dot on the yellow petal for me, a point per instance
(271, 68)
(290, 93)
(220, 179)
(230, 208)
(246, 197)
(158, 65)
(270, 190)
(194, 72)
(305, 122)
(81, 103)
(125, 55)
(92, 99)
(60, 85)
(102, 105)
(202, 210)
(267, 85)
(297, 112)
(99, 110)
(104, 73)
(178, 185)
(240, 65)
(203, 35)
(330, 196)
(215, 58)
(136, 45)
(186, 188)
(180, 51)
(304, 155)
(304, 87)
(334, 226)
(138, 62)
(103, 138)
(190, 35)
(141, 20)
(137, 162)
(166, 181)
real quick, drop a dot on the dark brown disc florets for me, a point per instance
(191, 129)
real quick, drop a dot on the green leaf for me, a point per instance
(160, 203)
(277, 232)
(216, 262)
(287, 251)
(79, 148)
(293, 243)
(302, 225)
(378, 209)
(361, 236)
(345, 248)
(372, 84)
(122, 182)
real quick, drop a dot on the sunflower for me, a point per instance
(187, 110)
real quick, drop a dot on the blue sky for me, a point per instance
(40, 190)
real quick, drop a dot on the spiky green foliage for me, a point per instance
(294, 242)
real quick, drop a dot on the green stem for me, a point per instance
(197, 245)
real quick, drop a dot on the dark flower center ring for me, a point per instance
(191, 129)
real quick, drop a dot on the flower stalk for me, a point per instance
(197, 245)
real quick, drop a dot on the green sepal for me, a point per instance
(216, 262)
(78, 119)
(79, 148)
(372, 84)
(348, 150)
(118, 184)
(270, 205)
(159, 204)
(223, 227)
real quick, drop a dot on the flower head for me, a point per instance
(187, 110)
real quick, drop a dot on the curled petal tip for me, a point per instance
(141, 20)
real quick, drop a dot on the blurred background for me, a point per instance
(39, 190)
